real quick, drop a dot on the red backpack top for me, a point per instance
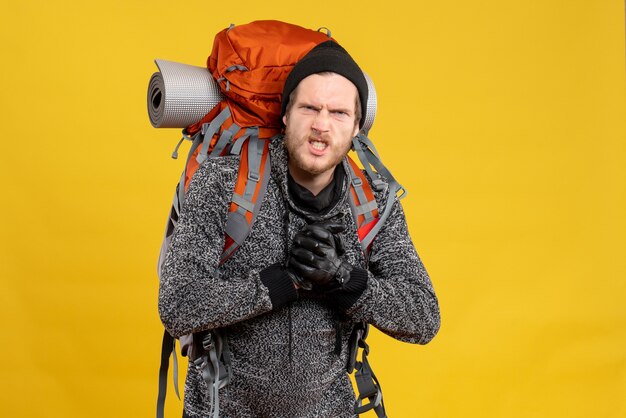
(251, 63)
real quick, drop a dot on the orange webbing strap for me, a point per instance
(252, 179)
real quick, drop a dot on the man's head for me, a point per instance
(327, 57)
(322, 111)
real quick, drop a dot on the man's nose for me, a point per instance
(321, 122)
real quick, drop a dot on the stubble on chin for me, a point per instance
(298, 147)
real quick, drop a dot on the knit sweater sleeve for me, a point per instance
(397, 296)
(192, 295)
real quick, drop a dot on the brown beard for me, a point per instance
(292, 150)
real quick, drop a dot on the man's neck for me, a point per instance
(313, 183)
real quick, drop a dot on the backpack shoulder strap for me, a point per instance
(381, 178)
(369, 221)
(252, 179)
(363, 204)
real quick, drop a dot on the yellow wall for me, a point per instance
(504, 119)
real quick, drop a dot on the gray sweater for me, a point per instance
(283, 343)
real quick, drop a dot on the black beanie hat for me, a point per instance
(327, 56)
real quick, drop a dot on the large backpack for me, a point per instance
(251, 63)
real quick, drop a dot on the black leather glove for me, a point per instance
(316, 258)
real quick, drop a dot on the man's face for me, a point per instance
(320, 125)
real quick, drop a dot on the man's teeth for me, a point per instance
(318, 145)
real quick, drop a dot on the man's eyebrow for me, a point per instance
(339, 109)
(304, 103)
(308, 104)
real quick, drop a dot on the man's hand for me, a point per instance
(316, 257)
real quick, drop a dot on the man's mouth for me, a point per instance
(318, 145)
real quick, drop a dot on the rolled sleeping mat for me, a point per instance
(372, 104)
(181, 94)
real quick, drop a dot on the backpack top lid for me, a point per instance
(251, 63)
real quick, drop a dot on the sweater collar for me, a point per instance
(321, 202)
(280, 159)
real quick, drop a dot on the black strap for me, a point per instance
(166, 349)
(367, 384)
(369, 388)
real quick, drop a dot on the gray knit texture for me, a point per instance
(283, 358)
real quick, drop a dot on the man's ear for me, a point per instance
(285, 120)
(356, 130)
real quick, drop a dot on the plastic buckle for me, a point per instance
(360, 408)
(379, 185)
(207, 341)
(201, 363)
(253, 176)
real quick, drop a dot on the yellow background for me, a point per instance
(504, 119)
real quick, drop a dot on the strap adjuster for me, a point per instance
(379, 185)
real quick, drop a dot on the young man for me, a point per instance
(287, 300)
